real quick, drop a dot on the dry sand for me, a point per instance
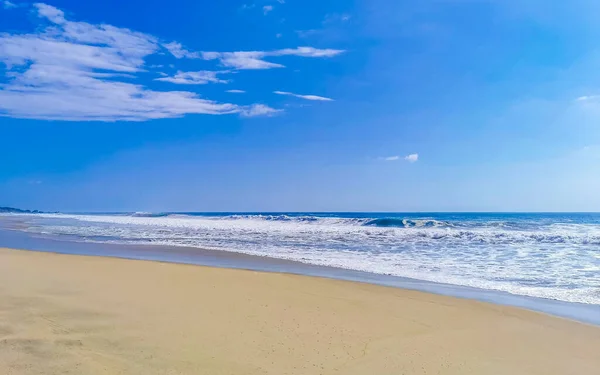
(65, 314)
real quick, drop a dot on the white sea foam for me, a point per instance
(555, 260)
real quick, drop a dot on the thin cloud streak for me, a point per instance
(586, 98)
(306, 97)
(195, 78)
(412, 158)
(251, 60)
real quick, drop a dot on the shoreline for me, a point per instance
(11, 238)
(107, 315)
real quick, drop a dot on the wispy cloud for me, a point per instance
(260, 110)
(195, 78)
(179, 52)
(306, 52)
(336, 18)
(51, 13)
(70, 71)
(8, 5)
(412, 158)
(587, 98)
(333, 26)
(247, 6)
(267, 9)
(236, 91)
(306, 97)
(308, 33)
(242, 60)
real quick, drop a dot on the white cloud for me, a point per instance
(57, 93)
(278, 35)
(267, 9)
(306, 52)
(8, 5)
(42, 50)
(587, 98)
(70, 70)
(179, 52)
(242, 60)
(51, 13)
(281, 1)
(236, 91)
(259, 110)
(307, 97)
(195, 78)
(412, 158)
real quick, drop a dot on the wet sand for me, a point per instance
(90, 315)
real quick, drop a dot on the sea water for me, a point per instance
(554, 256)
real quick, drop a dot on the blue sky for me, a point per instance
(273, 105)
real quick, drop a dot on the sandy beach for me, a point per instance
(67, 314)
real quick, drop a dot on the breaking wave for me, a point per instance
(538, 255)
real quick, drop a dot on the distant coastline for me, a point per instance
(12, 210)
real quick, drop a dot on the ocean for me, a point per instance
(550, 256)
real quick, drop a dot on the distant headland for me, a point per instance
(12, 210)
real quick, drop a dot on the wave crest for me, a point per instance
(407, 223)
(149, 214)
